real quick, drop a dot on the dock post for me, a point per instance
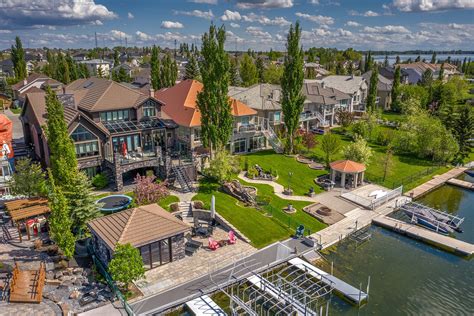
(327, 308)
(360, 292)
(368, 286)
(332, 267)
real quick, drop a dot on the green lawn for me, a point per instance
(15, 110)
(302, 179)
(165, 203)
(259, 228)
(393, 117)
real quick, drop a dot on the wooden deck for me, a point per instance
(456, 246)
(461, 183)
(27, 285)
(434, 183)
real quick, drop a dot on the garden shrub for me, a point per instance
(100, 181)
(199, 205)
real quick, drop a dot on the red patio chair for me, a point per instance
(232, 238)
(213, 245)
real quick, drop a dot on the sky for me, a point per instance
(255, 24)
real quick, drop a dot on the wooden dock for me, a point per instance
(27, 285)
(461, 183)
(444, 242)
(434, 183)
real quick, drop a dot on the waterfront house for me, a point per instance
(158, 235)
(384, 90)
(115, 129)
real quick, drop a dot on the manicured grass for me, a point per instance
(165, 203)
(302, 179)
(259, 228)
(393, 117)
(15, 110)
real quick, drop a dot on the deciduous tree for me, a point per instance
(372, 96)
(330, 144)
(18, 60)
(248, 71)
(396, 90)
(127, 265)
(358, 151)
(28, 179)
(148, 191)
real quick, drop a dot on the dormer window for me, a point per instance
(149, 109)
(121, 115)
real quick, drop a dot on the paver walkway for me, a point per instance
(434, 183)
(278, 189)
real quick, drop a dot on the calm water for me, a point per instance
(392, 58)
(410, 277)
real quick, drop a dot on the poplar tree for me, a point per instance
(464, 130)
(155, 69)
(18, 60)
(433, 58)
(212, 101)
(234, 77)
(260, 70)
(62, 152)
(116, 58)
(396, 106)
(372, 96)
(292, 100)
(192, 69)
(248, 71)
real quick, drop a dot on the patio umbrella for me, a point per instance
(124, 149)
(213, 207)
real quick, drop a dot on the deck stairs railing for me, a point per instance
(270, 135)
(183, 179)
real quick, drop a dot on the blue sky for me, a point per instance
(256, 24)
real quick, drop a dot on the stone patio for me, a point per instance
(192, 267)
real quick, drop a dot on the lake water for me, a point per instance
(392, 58)
(409, 277)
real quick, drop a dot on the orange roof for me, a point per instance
(180, 103)
(347, 166)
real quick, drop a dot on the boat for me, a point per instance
(437, 227)
(469, 173)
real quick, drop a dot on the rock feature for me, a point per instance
(242, 193)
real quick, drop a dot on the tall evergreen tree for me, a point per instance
(212, 101)
(427, 78)
(396, 106)
(60, 222)
(397, 60)
(116, 58)
(18, 59)
(372, 96)
(248, 71)
(441, 73)
(61, 147)
(292, 100)
(418, 58)
(433, 58)
(155, 69)
(464, 130)
(260, 69)
(369, 62)
(192, 69)
(234, 77)
(385, 62)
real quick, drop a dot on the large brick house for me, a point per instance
(116, 129)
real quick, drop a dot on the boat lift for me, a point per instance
(436, 220)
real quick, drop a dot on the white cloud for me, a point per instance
(116, 35)
(231, 16)
(261, 19)
(214, 2)
(5, 31)
(232, 37)
(141, 36)
(432, 5)
(353, 23)
(315, 2)
(130, 15)
(320, 19)
(368, 13)
(387, 29)
(264, 4)
(344, 33)
(234, 25)
(208, 15)
(258, 32)
(20, 13)
(171, 25)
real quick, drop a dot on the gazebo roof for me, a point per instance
(347, 166)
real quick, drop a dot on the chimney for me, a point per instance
(152, 91)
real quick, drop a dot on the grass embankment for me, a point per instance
(253, 223)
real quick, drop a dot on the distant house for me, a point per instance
(157, 234)
(384, 90)
(318, 69)
(142, 77)
(355, 86)
(416, 70)
(81, 56)
(6, 68)
(33, 83)
(128, 69)
(94, 65)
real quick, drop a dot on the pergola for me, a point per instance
(348, 170)
(24, 209)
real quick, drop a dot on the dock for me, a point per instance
(461, 183)
(354, 295)
(205, 306)
(434, 183)
(444, 242)
(27, 285)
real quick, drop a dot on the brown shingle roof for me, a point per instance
(29, 79)
(138, 226)
(96, 94)
(180, 103)
(315, 92)
(37, 103)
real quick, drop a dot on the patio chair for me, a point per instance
(299, 231)
(232, 238)
(213, 245)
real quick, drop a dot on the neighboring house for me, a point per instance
(6, 68)
(33, 83)
(93, 66)
(384, 90)
(389, 73)
(264, 98)
(321, 105)
(142, 77)
(5, 101)
(157, 234)
(79, 56)
(417, 69)
(128, 69)
(115, 129)
(355, 86)
(318, 69)
(249, 133)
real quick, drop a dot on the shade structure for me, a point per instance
(213, 207)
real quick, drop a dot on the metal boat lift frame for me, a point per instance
(453, 221)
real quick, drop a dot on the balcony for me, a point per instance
(135, 156)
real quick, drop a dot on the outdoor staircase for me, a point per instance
(186, 212)
(184, 181)
(271, 136)
(19, 148)
(322, 121)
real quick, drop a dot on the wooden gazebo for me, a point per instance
(22, 210)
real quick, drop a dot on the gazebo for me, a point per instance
(27, 212)
(347, 171)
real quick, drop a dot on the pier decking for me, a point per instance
(434, 183)
(453, 245)
(354, 295)
(461, 183)
(205, 306)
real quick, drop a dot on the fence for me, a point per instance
(389, 196)
(284, 219)
(102, 270)
(406, 181)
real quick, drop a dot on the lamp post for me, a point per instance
(290, 174)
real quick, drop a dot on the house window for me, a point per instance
(87, 149)
(277, 116)
(90, 172)
(132, 142)
(5, 171)
(197, 135)
(245, 120)
(149, 109)
(240, 145)
(119, 115)
(81, 134)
